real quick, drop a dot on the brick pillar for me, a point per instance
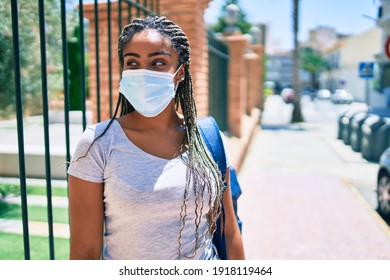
(259, 50)
(253, 80)
(189, 15)
(237, 44)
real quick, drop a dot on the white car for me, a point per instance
(341, 96)
(323, 94)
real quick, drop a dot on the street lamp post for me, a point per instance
(231, 16)
(256, 35)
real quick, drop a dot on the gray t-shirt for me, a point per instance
(143, 196)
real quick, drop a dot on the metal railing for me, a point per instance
(218, 79)
(137, 8)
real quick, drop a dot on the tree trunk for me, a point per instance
(297, 113)
(314, 82)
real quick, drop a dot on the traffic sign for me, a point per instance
(366, 70)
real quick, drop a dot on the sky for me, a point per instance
(346, 16)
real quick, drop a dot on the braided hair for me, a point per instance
(202, 171)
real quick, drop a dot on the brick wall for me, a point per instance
(237, 84)
(252, 76)
(258, 99)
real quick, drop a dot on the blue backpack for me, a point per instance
(212, 137)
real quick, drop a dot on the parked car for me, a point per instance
(323, 94)
(341, 96)
(383, 184)
(288, 95)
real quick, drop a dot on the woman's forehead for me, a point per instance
(150, 38)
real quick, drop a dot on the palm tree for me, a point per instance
(297, 113)
(313, 63)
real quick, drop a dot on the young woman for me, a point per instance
(143, 185)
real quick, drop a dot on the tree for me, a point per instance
(7, 88)
(74, 66)
(28, 57)
(297, 112)
(313, 63)
(242, 23)
(29, 50)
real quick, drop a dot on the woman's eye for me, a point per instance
(158, 63)
(131, 63)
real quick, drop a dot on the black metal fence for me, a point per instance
(218, 79)
(142, 8)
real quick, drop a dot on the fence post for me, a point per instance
(189, 15)
(237, 44)
(20, 131)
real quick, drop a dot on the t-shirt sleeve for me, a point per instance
(226, 148)
(88, 159)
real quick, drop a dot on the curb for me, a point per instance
(382, 224)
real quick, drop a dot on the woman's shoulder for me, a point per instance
(101, 126)
(97, 130)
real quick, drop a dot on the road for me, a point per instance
(306, 195)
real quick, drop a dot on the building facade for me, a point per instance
(344, 59)
(382, 86)
(279, 68)
(322, 38)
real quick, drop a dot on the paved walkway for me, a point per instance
(38, 200)
(298, 202)
(35, 228)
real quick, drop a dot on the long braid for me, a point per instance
(202, 171)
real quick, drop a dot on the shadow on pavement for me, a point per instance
(294, 127)
(386, 219)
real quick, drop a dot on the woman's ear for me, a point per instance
(181, 75)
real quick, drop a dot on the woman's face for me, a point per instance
(149, 50)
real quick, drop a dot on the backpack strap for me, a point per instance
(212, 137)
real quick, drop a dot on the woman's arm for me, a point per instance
(86, 219)
(235, 248)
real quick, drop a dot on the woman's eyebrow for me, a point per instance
(149, 55)
(132, 54)
(160, 53)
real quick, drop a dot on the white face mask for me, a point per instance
(148, 91)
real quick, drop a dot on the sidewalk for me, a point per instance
(298, 202)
